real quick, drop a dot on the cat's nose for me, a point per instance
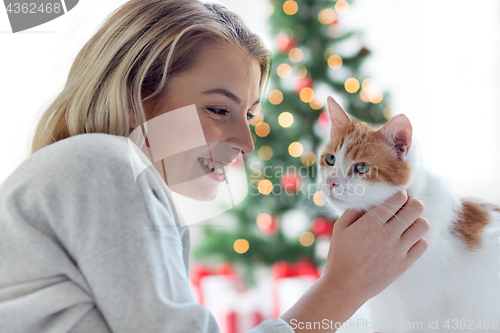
(332, 184)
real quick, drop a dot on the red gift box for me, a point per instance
(222, 291)
(291, 281)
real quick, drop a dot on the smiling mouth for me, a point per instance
(212, 166)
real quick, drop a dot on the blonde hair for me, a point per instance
(133, 53)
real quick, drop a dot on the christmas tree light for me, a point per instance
(290, 7)
(285, 119)
(241, 245)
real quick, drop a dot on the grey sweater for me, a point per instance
(84, 248)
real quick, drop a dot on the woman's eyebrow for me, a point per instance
(228, 94)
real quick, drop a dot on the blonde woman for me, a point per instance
(84, 248)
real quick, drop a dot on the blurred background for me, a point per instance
(437, 62)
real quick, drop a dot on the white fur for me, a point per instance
(448, 282)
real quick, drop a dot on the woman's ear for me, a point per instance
(338, 117)
(398, 132)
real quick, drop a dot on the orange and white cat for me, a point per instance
(454, 286)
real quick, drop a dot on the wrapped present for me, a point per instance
(205, 280)
(222, 291)
(290, 282)
(247, 313)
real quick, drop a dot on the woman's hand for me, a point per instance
(368, 252)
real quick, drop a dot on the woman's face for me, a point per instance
(224, 87)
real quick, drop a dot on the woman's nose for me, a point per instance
(243, 138)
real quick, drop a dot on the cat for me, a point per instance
(454, 286)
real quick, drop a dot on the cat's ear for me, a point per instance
(338, 117)
(398, 132)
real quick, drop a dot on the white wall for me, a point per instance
(440, 61)
(34, 65)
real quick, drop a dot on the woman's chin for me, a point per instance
(197, 189)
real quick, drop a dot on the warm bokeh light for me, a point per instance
(387, 112)
(262, 129)
(376, 96)
(284, 71)
(264, 220)
(327, 16)
(306, 238)
(342, 7)
(335, 61)
(300, 70)
(368, 83)
(318, 199)
(259, 117)
(265, 153)
(295, 149)
(364, 95)
(290, 7)
(351, 85)
(268, 9)
(370, 92)
(306, 95)
(258, 109)
(308, 158)
(317, 103)
(241, 245)
(367, 87)
(265, 186)
(275, 97)
(296, 54)
(285, 119)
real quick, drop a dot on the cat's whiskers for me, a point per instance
(383, 206)
(376, 216)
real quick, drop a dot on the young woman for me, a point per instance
(86, 247)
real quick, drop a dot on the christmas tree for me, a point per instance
(283, 217)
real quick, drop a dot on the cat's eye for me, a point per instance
(361, 168)
(330, 159)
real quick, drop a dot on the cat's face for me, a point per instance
(362, 166)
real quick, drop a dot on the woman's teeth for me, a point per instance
(211, 165)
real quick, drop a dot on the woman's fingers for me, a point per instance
(416, 251)
(411, 210)
(348, 218)
(415, 232)
(383, 212)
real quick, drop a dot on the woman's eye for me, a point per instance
(219, 112)
(330, 159)
(250, 116)
(361, 168)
